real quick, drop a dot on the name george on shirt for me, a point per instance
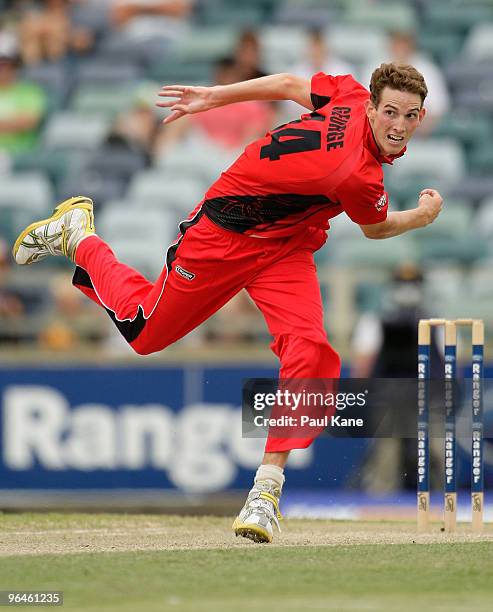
(337, 126)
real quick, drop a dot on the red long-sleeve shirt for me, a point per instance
(305, 172)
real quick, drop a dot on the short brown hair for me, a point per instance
(401, 77)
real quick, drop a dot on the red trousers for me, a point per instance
(205, 268)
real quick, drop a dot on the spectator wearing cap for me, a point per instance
(22, 103)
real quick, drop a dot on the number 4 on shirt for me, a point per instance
(294, 140)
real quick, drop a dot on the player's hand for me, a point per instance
(431, 203)
(188, 100)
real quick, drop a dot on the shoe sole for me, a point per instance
(251, 532)
(60, 210)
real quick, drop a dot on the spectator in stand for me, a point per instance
(137, 127)
(385, 345)
(402, 48)
(46, 32)
(11, 304)
(318, 58)
(122, 12)
(248, 56)
(71, 322)
(22, 104)
(229, 128)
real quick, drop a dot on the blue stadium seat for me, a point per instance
(217, 13)
(118, 46)
(389, 15)
(24, 198)
(455, 15)
(308, 16)
(157, 189)
(138, 239)
(483, 220)
(106, 72)
(54, 78)
(116, 162)
(205, 44)
(471, 129)
(105, 100)
(28, 189)
(357, 44)
(282, 46)
(439, 158)
(71, 130)
(443, 46)
(478, 45)
(95, 184)
(474, 188)
(199, 160)
(481, 157)
(366, 253)
(56, 165)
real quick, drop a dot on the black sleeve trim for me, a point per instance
(319, 101)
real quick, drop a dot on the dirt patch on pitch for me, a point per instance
(68, 534)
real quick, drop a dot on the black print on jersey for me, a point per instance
(185, 273)
(296, 141)
(337, 125)
(240, 213)
(293, 140)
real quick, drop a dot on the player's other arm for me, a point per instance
(429, 206)
(189, 100)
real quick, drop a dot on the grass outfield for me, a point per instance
(133, 563)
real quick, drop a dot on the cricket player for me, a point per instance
(257, 228)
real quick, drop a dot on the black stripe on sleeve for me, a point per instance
(319, 101)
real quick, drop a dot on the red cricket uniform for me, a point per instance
(257, 228)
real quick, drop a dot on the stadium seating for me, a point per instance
(28, 189)
(157, 189)
(442, 159)
(71, 130)
(138, 240)
(55, 80)
(357, 44)
(366, 253)
(455, 15)
(468, 128)
(474, 188)
(201, 161)
(96, 185)
(282, 46)
(394, 15)
(23, 197)
(103, 100)
(309, 16)
(443, 46)
(479, 43)
(205, 44)
(215, 13)
(483, 221)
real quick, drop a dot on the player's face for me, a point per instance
(394, 120)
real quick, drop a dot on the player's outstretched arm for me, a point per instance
(430, 204)
(188, 99)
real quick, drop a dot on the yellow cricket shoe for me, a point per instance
(260, 512)
(71, 220)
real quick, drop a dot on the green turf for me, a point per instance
(444, 577)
